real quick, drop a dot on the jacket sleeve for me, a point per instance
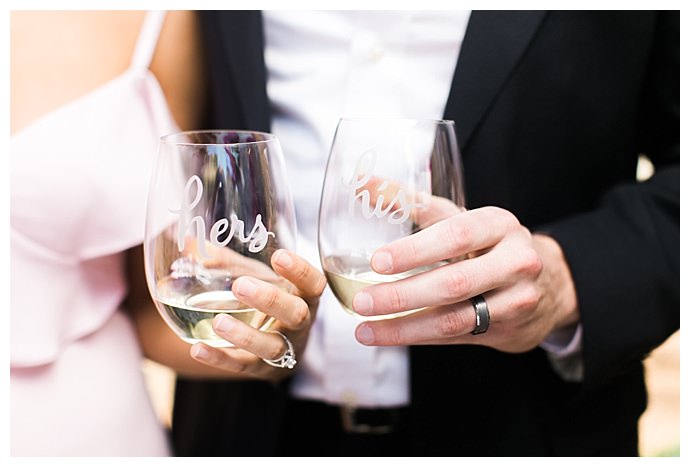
(625, 255)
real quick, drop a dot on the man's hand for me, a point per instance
(523, 277)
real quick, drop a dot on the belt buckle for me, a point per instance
(348, 415)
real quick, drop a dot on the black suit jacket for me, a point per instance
(552, 110)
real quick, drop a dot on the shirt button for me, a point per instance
(349, 398)
(375, 52)
(366, 47)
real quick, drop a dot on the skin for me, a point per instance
(523, 276)
(71, 47)
(294, 312)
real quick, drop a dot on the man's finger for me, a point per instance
(454, 237)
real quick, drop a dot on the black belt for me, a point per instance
(370, 421)
(359, 421)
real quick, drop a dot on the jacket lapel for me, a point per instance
(494, 43)
(243, 43)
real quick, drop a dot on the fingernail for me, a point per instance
(365, 335)
(382, 261)
(282, 259)
(363, 303)
(245, 287)
(222, 323)
(199, 352)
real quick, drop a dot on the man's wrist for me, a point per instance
(558, 283)
(563, 344)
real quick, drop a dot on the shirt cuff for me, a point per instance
(564, 350)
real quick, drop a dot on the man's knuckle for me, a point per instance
(529, 264)
(394, 336)
(397, 298)
(530, 297)
(455, 285)
(451, 324)
(413, 250)
(456, 233)
(505, 220)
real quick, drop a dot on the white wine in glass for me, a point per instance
(385, 179)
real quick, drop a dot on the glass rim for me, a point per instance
(442, 121)
(167, 139)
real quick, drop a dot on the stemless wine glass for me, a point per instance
(386, 179)
(219, 206)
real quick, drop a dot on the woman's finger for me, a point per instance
(309, 280)
(235, 361)
(266, 345)
(289, 309)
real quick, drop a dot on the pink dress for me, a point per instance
(79, 179)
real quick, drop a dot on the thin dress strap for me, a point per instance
(148, 39)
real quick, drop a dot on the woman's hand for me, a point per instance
(524, 279)
(294, 314)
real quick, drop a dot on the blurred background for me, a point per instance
(660, 424)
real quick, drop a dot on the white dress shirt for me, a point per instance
(324, 65)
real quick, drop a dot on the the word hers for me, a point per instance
(257, 238)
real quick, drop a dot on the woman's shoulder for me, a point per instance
(59, 56)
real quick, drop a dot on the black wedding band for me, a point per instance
(481, 312)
